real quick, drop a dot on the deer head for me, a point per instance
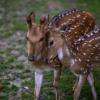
(72, 26)
(56, 46)
(54, 43)
(35, 37)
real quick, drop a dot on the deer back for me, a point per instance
(87, 56)
(89, 48)
(74, 23)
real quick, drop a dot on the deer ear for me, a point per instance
(43, 20)
(48, 18)
(30, 18)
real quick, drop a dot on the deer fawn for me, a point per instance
(35, 49)
(38, 39)
(82, 61)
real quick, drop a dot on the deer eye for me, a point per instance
(50, 43)
(41, 39)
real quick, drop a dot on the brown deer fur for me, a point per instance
(73, 23)
(80, 61)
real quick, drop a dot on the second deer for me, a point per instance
(81, 56)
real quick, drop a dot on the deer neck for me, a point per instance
(65, 56)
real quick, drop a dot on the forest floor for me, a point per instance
(16, 74)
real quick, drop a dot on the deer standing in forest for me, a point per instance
(38, 41)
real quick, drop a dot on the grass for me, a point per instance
(66, 84)
(93, 6)
(15, 21)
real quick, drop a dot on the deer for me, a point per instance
(35, 49)
(81, 58)
(37, 43)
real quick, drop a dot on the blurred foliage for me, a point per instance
(91, 6)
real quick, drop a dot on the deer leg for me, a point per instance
(91, 83)
(82, 79)
(57, 74)
(76, 82)
(38, 84)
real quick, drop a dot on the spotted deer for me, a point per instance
(37, 42)
(82, 61)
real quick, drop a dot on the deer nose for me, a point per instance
(31, 58)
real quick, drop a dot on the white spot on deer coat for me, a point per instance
(78, 16)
